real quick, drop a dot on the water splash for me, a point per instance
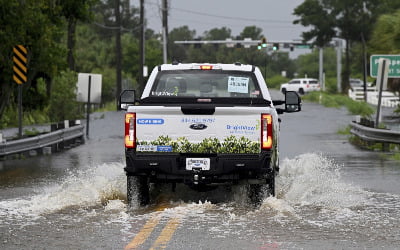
(312, 179)
(92, 187)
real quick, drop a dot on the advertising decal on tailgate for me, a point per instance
(230, 145)
(150, 121)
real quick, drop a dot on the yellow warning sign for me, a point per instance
(20, 61)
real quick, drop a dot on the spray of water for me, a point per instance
(93, 187)
(312, 180)
(307, 180)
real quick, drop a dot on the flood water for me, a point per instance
(330, 195)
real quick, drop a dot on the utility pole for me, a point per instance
(339, 48)
(364, 52)
(118, 50)
(141, 48)
(321, 68)
(165, 30)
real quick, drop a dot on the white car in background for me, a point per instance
(301, 85)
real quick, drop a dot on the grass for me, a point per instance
(336, 101)
(109, 106)
(345, 130)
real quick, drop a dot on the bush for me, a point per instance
(276, 81)
(331, 85)
(63, 104)
(336, 101)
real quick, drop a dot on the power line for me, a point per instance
(224, 17)
(230, 17)
(116, 28)
(230, 24)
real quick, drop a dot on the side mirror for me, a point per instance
(126, 99)
(292, 102)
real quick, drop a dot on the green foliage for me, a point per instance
(31, 132)
(177, 51)
(386, 34)
(35, 117)
(308, 64)
(313, 13)
(230, 145)
(252, 32)
(63, 104)
(331, 85)
(29, 117)
(336, 101)
(344, 131)
(109, 106)
(276, 81)
(396, 156)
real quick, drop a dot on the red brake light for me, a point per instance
(130, 130)
(206, 67)
(266, 131)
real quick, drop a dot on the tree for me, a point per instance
(217, 34)
(63, 105)
(308, 64)
(252, 32)
(385, 37)
(73, 11)
(313, 13)
(178, 51)
(40, 31)
(341, 18)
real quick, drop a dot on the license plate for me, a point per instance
(197, 163)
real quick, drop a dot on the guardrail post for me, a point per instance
(385, 147)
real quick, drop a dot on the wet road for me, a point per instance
(330, 195)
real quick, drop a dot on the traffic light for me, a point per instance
(264, 42)
(275, 46)
(259, 46)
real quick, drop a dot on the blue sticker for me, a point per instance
(150, 121)
(164, 148)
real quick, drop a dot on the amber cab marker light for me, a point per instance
(206, 67)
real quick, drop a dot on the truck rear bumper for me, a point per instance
(224, 168)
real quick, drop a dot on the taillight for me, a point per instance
(266, 131)
(130, 130)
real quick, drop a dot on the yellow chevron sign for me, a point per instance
(20, 60)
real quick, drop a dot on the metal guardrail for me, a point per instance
(51, 139)
(374, 134)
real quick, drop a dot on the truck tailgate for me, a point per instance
(153, 127)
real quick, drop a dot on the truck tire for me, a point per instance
(137, 191)
(283, 90)
(255, 194)
(271, 186)
(301, 91)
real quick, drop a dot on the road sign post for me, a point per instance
(20, 77)
(381, 83)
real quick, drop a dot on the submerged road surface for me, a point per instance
(330, 195)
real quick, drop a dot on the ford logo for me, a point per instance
(198, 126)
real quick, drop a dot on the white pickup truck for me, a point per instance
(203, 125)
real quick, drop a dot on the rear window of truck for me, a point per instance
(206, 84)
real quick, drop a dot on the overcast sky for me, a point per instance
(274, 17)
